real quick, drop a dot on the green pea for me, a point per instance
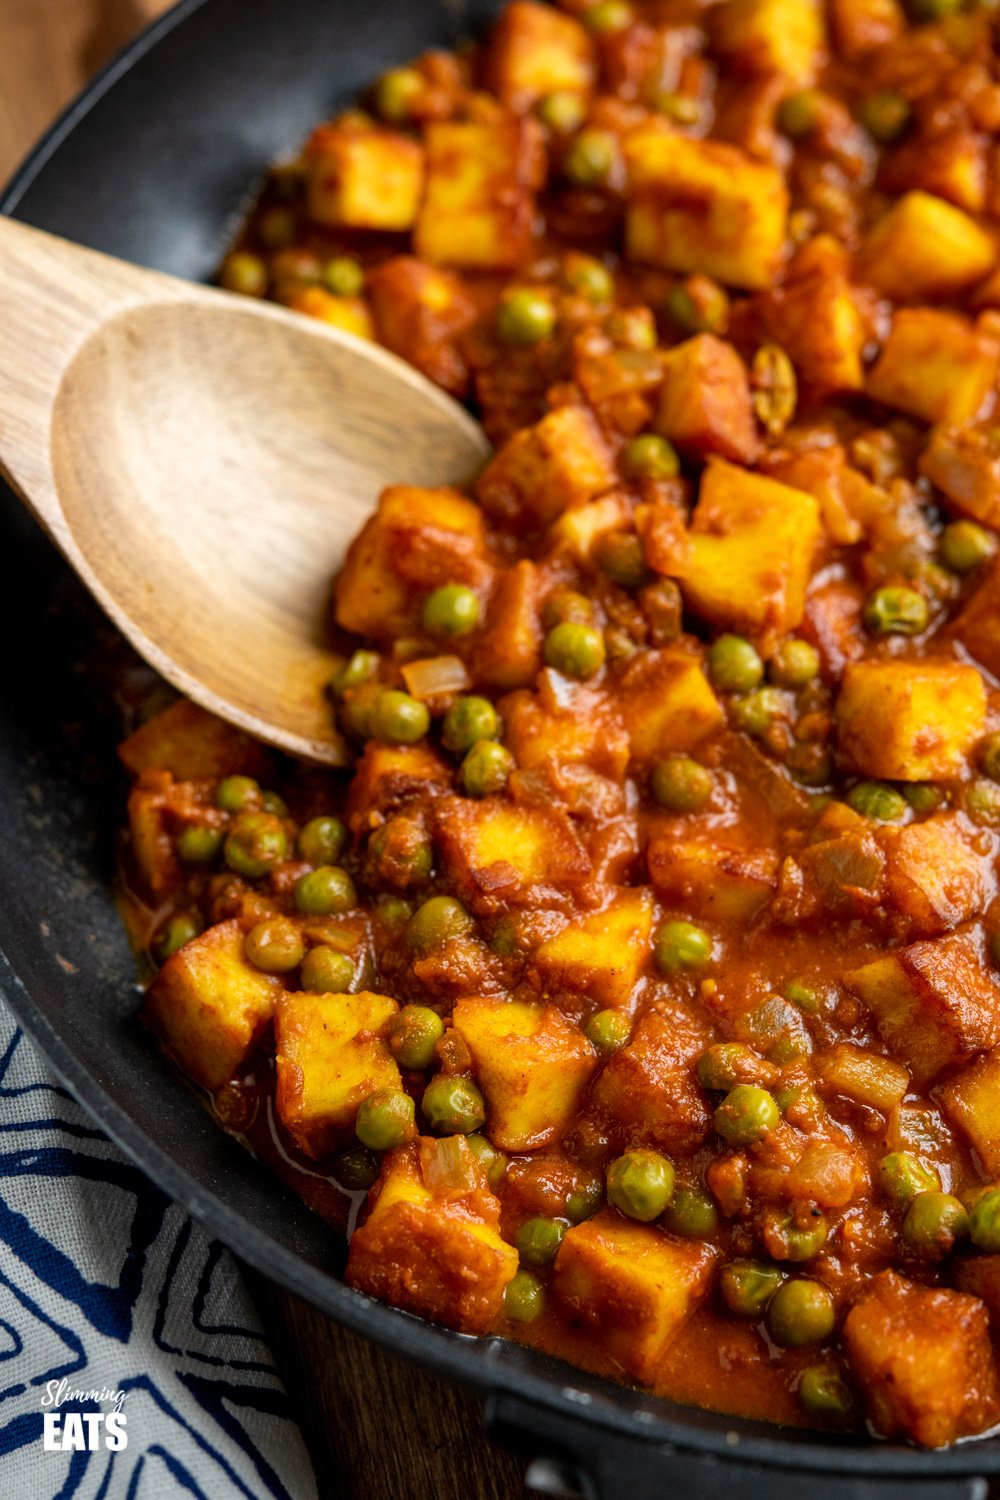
(275, 946)
(451, 610)
(984, 1222)
(794, 664)
(934, 1224)
(681, 945)
(539, 1238)
(706, 312)
(874, 799)
(343, 276)
(468, 721)
(747, 1114)
(800, 1313)
(621, 558)
(356, 1169)
(989, 756)
(324, 892)
(563, 111)
(757, 711)
(322, 840)
(681, 784)
(724, 1064)
(649, 456)
(362, 667)
(791, 1238)
(277, 228)
(567, 605)
(394, 911)
(896, 611)
(237, 794)
(733, 665)
(799, 114)
(326, 972)
(607, 16)
(526, 316)
(922, 796)
(692, 1213)
(199, 845)
(453, 1105)
(437, 922)
(256, 841)
(273, 802)
(803, 996)
(640, 1184)
(523, 1298)
(885, 115)
(486, 768)
(584, 1201)
(588, 278)
(399, 719)
(385, 1119)
(493, 1162)
(824, 1392)
(964, 545)
(414, 1035)
(396, 92)
(981, 800)
(681, 108)
(747, 1286)
(574, 650)
(178, 930)
(244, 273)
(608, 1031)
(591, 158)
(902, 1176)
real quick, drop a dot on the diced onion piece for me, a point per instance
(436, 675)
(449, 1166)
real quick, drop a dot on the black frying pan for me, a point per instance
(154, 163)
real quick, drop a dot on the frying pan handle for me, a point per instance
(571, 1457)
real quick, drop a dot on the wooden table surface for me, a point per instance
(378, 1428)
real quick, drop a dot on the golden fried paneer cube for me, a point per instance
(349, 314)
(508, 653)
(978, 624)
(923, 1359)
(667, 703)
(979, 1276)
(924, 247)
(189, 742)
(388, 776)
(971, 1101)
(709, 879)
(751, 546)
(479, 205)
(543, 470)
(936, 1002)
(910, 720)
(936, 877)
(703, 206)
(571, 724)
(156, 866)
(951, 165)
(210, 1007)
(601, 955)
(817, 323)
(536, 50)
(631, 1286)
(497, 853)
(331, 1053)
(964, 464)
(364, 179)
(417, 540)
(531, 1064)
(935, 365)
(646, 1095)
(420, 313)
(432, 1255)
(860, 25)
(705, 404)
(787, 37)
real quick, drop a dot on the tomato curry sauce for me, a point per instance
(642, 976)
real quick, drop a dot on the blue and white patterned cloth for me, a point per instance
(108, 1287)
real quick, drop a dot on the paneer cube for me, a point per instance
(479, 206)
(935, 875)
(979, 1276)
(561, 461)
(923, 1358)
(709, 879)
(508, 654)
(536, 50)
(387, 777)
(950, 165)
(496, 853)
(705, 404)
(603, 955)
(910, 720)
(331, 1053)
(936, 366)
(787, 37)
(417, 540)
(439, 1258)
(364, 179)
(978, 624)
(936, 1003)
(964, 464)
(971, 1101)
(631, 1286)
(860, 25)
(420, 314)
(667, 704)
(349, 314)
(817, 323)
(581, 529)
(531, 1064)
(189, 742)
(646, 1095)
(864, 1076)
(752, 542)
(924, 247)
(210, 1007)
(703, 206)
(158, 869)
(565, 725)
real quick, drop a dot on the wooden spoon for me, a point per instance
(203, 460)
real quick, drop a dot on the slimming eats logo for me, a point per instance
(83, 1431)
